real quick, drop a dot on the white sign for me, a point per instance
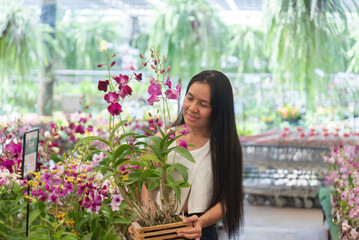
(29, 152)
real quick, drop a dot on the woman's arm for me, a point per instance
(209, 218)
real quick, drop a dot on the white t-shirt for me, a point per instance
(199, 176)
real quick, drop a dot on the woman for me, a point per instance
(216, 179)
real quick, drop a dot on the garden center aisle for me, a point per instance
(273, 223)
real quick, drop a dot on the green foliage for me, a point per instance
(21, 45)
(353, 52)
(304, 36)
(13, 211)
(247, 44)
(191, 35)
(82, 42)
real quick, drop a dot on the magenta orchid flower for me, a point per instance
(80, 129)
(174, 93)
(152, 99)
(121, 79)
(185, 131)
(183, 143)
(13, 149)
(111, 97)
(138, 77)
(102, 85)
(168, 82)
(125, 90)
(114, 109)
(9, 165)
(154, 89)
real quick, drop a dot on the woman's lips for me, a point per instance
(191, 117)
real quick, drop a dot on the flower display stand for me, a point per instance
(159, 232)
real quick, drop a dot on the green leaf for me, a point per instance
(91, 139)
(149, 174)
(125, 135)
(33, 216)
(120, 124)
(80, 223)
(121, 150)
(153, 185)
(184, 152)
(97, 233)
(156, 140)
(55, 158)
(47, 227)
(156, 149)
(177, 190)
(170, 178)
(183, 184)
(182, 170)
(121, 220)
(87, 236)
(59, 234)
(150, 157)
(142, 136)
(105, 168)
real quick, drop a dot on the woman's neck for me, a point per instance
(196, 138)
(199, 133)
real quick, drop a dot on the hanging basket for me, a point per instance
(159, 232)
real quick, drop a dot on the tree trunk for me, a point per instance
(133, 29)
(47, 77)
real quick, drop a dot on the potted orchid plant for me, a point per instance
(94, 191)
(135, 161)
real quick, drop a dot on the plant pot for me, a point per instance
(159, 232)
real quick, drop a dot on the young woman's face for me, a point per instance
(197, 108)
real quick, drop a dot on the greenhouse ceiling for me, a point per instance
(222, 5)
(246, 12)
(141, 4)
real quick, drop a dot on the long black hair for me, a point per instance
(226, 149)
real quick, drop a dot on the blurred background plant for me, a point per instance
(265, 56)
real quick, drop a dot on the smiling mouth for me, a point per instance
(191, 117)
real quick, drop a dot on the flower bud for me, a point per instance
(145, 64)
(113, 63)
(141, 56)
(155, 62)
(153, 66)
(168, 69)
(113, 55)
(100, 65)
(133, 68)
(162, 70)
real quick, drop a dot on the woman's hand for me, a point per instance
(193, 233)
(130, 228)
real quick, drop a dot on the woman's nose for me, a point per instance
(193, 107)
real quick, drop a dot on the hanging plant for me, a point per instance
(21, 45)
(304, 36)
(191, 35)
(81, 42)
(353, 52)
(247, 45)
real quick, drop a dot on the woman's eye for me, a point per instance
(204, 105)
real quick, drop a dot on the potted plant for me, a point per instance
(143, 156)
